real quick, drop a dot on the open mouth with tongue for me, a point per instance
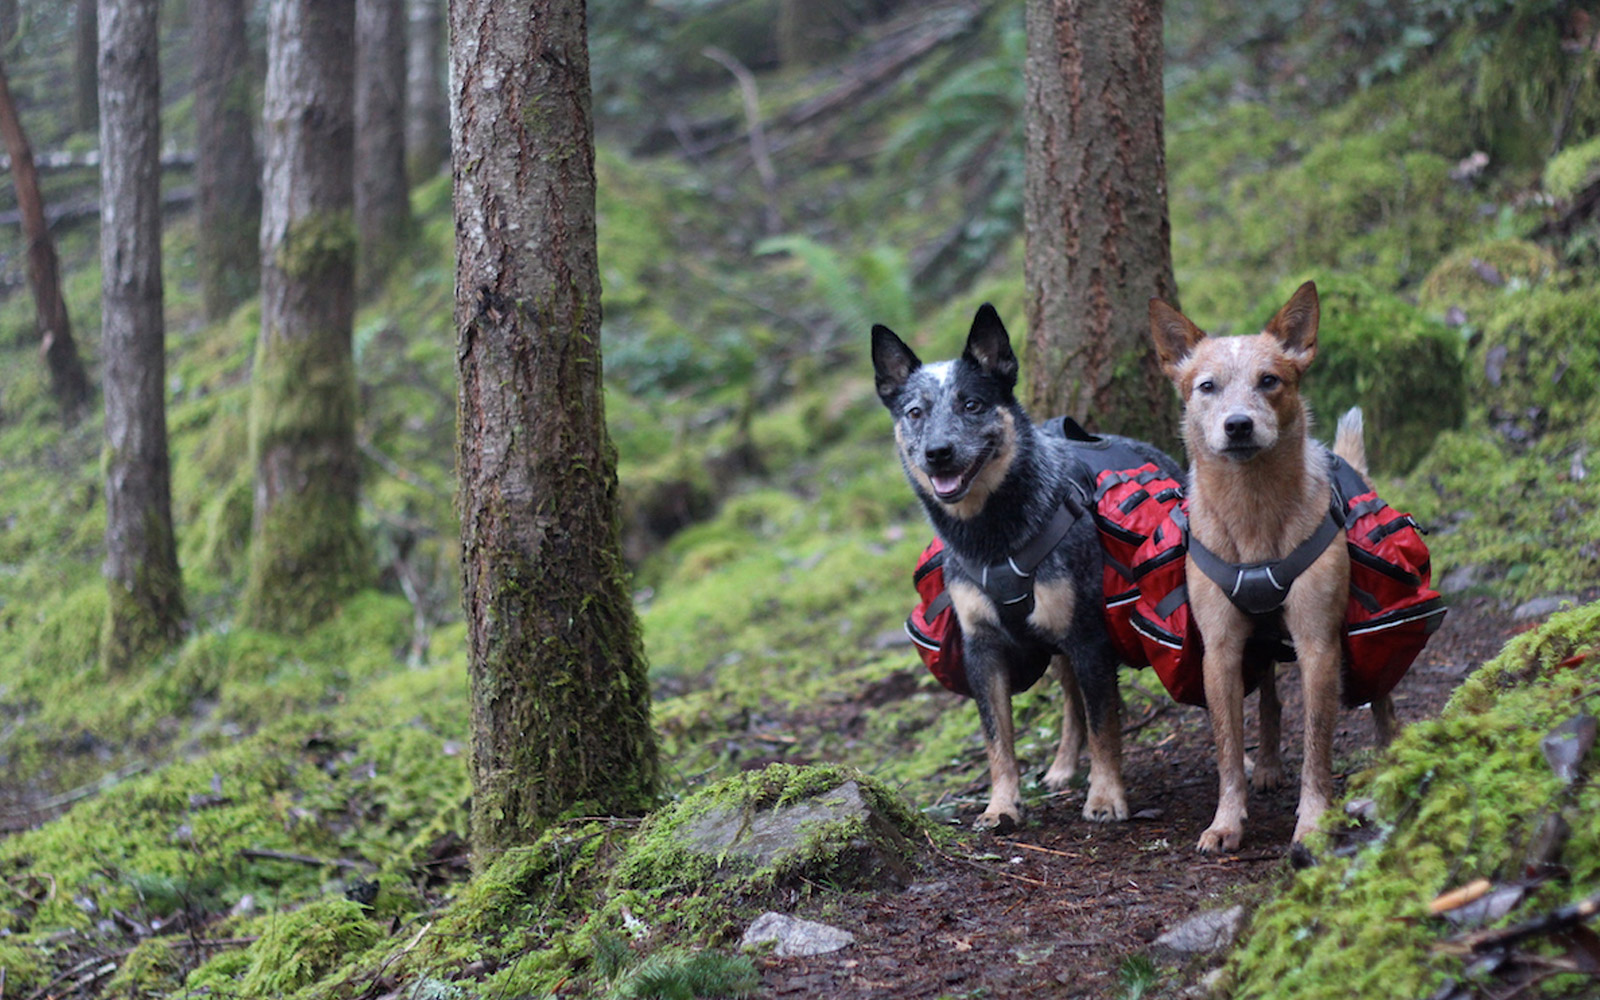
(950, 487)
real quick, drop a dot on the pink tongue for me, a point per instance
(945, 484)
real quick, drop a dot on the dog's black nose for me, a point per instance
(1238, 427)
(939, 454)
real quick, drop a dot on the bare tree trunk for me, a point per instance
(1095, 203)
(227, 184)
(307, 551)
(145, 613)
(383, 199)
(10, 21)
(86, 55)
(560, 699)
(427, 111)
(69, 383)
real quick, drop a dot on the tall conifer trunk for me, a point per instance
(383, 199)
(145, 613)
(560, 699)
(427, 110)
(1095, 207)
(227, 176)
(69, 381)
(307, 552)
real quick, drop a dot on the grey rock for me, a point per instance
(1542, 607)
(1459, 578)
(1204, 933)
(1567, 745)
(795, 938)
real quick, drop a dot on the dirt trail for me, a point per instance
(1056, 909)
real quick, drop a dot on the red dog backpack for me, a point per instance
(1392, 609)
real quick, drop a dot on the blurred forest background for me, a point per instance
(774, 176)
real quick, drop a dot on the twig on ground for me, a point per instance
(263, 854)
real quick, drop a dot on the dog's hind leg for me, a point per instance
(1065, 767)
(1266, 774)
(1095, 664)
(1383, 720)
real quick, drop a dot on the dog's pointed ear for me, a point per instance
(989, 346)
(1295, 326)
(1174, 335)
(892, 362)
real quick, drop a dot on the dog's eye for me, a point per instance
(1269, 381)
(972, 405)
(914, 413)
(1206, 386)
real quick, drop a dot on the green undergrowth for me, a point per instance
(1458, 798)
(612, 908)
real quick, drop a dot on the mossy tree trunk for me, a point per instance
(383, 199)
(145, 612)
(307, 552)
(560, 698)
(427, 111)
(85, 58)
(227, 176)
(69, 381)
(1098, 241)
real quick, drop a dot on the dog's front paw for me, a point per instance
(998, 820)
(1105, 805)
(1220, 839)
(1266, 776)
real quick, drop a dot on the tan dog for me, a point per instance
(1258, 489)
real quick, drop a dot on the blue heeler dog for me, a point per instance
(994, 485)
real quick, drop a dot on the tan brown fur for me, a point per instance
(1254, 505)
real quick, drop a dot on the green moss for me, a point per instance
(1464, 278)
(317, 243)
(1376, 351)
(1573, 169)
(1458, 797)
(24, 970)
(296, 949)
(1538, 362)
(155, 968)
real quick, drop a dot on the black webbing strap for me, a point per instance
(1260, 588)
(1010, 584)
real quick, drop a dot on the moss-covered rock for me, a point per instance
(1458, 798)
(1474, 277)
(1403, 369)
(297, 949)
(1537, 366)
(1573, 169)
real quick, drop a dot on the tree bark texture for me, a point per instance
(85, 59)
(307, 550)
(560, 698)
(145, 612)
(427, 109)
(227, 176)
(69, 382)
(383, 198)
(1098, 240)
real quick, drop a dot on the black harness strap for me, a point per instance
(1260, 588)
(1010, 584)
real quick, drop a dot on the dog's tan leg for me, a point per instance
(1267, 774)
(1004, 811)
(1383, 720)
(1108, 799)
(1319, 679)
(1065, 766)
(1225, 629)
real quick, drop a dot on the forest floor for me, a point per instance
(1063, 907)
(1059, 908)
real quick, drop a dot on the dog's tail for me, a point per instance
(1349, 441)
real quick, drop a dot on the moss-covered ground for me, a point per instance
(249, 787)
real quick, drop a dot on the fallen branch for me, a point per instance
(1556, 920)
(263, 854)
(27, 818)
